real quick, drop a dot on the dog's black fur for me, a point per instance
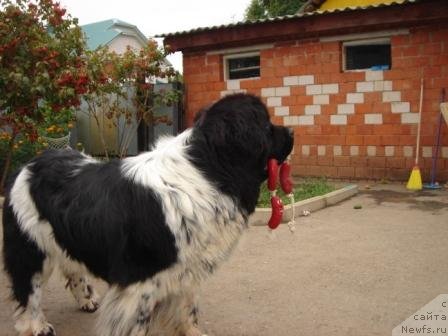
(103, 218)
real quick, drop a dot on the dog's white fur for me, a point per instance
(184, 193)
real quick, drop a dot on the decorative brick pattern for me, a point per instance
(400, 107)
(409, 118)
(354, 150)
(364, 87)
(291, 80)
(274, 101)
(291, 121)
(337, 150)
(374, 76)
(346, 109)
(305, 150)
(426, 151)
(357, 124)
(382, 86)
(306, 120)
(355, 98)
(281, 111)
(306, 80)
(330, 88)
(389, 150)
(321, 150)
(444, 152)
(230, 92)
(282, 91)
(371, 150)
(338, 119)
(313, 90)
(312, 109)
(391, 96)
(373, 119)
(408, 151)
(321, 99)
(268, 92)
(233, 84)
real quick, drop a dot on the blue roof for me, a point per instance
(102, 32)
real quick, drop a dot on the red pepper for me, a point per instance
(272, 174)
(285, 177)
(277, 212)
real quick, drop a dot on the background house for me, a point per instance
(117, 35)
(344, 74)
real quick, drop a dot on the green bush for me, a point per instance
(23, 151)
(307, 188)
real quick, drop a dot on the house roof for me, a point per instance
(350, 20)
(103, 32)
(310, 8)
(325, 5)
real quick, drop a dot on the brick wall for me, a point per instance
(347, 124)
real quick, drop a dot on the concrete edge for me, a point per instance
(261, 215)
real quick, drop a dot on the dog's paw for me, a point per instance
(84, 293)
(45, 329)
(37, 327)
(90, 306)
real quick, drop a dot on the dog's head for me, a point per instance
(239, 129)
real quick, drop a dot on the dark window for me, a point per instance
(243, 67)
(370, 56)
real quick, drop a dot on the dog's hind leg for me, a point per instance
(176, 315)
(190, 322)
(28, 269)
(80, 286)
(128, 311)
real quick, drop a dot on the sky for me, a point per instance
(161, 16)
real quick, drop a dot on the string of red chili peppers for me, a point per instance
(287, 187)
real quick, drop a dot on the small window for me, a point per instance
(242, 66)
(368, 54)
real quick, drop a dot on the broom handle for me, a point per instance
(419, 122)
(436, 150)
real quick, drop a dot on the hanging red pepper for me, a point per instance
(272, 174)
(285, 177)
(277, 212)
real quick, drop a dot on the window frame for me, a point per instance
(226, 59)
(363, 42)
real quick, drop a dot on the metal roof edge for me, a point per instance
(286, 17)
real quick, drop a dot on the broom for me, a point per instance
(415, 180)
(433, 184)
(444, 109)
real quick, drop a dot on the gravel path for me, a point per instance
(344, 272)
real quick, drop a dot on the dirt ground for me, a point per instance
(344, 272)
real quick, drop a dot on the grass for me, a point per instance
(307, 188)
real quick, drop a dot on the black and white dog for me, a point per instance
(153, 226)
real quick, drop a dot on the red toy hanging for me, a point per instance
(285, 178)
(277, 212)
(287, 187)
